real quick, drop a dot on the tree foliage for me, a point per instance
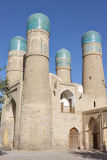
(104, 83)
(4, 88)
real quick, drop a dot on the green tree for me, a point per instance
(104, 83)
(4, 88)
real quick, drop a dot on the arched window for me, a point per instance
(67, 101)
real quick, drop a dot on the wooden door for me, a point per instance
(95, 141)
(73, 139)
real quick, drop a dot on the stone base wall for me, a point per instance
(35, 127)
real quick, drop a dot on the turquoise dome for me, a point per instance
(38, 20)
(91, 36)
(63, 58)
(17, 43)
(63, 53)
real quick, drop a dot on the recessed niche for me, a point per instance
(90, 77)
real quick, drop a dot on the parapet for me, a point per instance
(38, 20)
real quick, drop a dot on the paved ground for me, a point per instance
(52, 155)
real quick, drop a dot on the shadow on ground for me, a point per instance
(90, 154)
(2, 153)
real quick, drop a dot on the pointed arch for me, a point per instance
(94, 134)
(74, 138)
(67, 100)
(11, 122)
(74, 129)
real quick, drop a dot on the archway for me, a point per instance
(74, 139)
(9, 130)
(94, 134)
(14, 116)
(67, 101)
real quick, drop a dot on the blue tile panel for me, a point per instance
(17, 43)
(91, 36)
(63, 58)
(92, 48)
(38, 20)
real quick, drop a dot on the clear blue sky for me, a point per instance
(69, 19)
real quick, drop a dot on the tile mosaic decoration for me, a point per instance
(91, 36)
(63, 58)
(38, 20)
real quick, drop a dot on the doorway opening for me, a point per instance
(11, 121)
(94, 134)
(74, 139)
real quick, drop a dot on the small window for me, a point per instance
(94, 104)
(55, 84)
(54, 93)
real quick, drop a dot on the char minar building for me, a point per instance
(48, 111)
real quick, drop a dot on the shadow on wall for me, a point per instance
(97, 155)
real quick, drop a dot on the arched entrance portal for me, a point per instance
(94, 134)
(73, 139)
(9, 130)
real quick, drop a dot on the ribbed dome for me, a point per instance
(38, 20)
(17, 43)
(91, 36)
(63, 58)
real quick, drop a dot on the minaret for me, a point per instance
(17, 50)
(35, 123)
(63, 65)
(93, 74)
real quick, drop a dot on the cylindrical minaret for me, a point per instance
(63, 65)
(35, 123)
(17, 50)
(93, 74)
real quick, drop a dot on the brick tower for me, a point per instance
(35, 123)
(17, 50)
(93, 73)
(63, 65)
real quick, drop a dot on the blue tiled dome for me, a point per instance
(17, 43)
(63, 53)
(91, 36)
(38, 20)
(63, 58)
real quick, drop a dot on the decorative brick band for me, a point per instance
(92, 48)
(63, 67)
(18, 53)
(38, 42)
(38, 30)
(63, 62)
